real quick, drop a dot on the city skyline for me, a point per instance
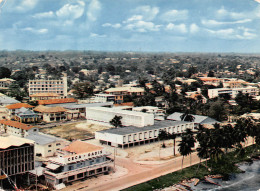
(131, 25)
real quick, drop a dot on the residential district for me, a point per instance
(100, 121)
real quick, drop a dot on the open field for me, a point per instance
(79, 130)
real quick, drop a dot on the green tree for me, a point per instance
(83, 89)
(4, 72)
(116, 121)
(163, 135)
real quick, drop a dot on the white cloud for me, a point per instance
(258, 1)
(147, 12)
(241, 33)
(94, 35)
(49, 14)
(93, 10)
(36, 31)
(175, 15)
(142, 26)
(223, 13)
(134, 18)
(70, 11)
(194, 28)
(116, 26)
(214, 23)
(26, 5)
(177, 28)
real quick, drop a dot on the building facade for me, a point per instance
(49, 86)
(105, 115)
(77, 161)
(16, 156)
(133, 136)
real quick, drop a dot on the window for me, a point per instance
(49, 151)
(49, 145)
(58, 144)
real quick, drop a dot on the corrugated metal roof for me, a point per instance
(42, 139)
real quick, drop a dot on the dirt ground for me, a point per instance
(79, 130)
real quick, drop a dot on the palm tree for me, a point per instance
(173, 137)
(163, 135)
(187, 117)
(186, 144)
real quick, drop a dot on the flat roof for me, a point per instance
(84, 105)
(8, 141)
(42, 139)
(119, 111)
(133, 129)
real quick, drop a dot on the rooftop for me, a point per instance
(8, 141)
(16, 124)
(133, 129)
(79, 147)
(125, 89)
(7, 100)
(84, 105)
(45, 109)
(42, 139)
(57, 101)
(19, 105)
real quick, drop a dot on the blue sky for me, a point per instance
(131, 25)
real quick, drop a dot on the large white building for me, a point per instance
(49, 86)
(252, 91)
(129, 118)
(131, 136)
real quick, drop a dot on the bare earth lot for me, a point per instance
(78, 130)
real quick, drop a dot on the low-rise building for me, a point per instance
(6, 82)
(158, 113)
(16, 128)
(57, 101)
(13, 108)
(46, 145)
(25, 115)
(51, 114)
(77, 161)
(252, 91)
(125, 91)
(132, 136)
(101, 98)
(105, 115)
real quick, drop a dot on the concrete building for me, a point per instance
(51, 114)
(49, 86)
(125, 91)
(132, 136)
(76, 161)
(129, 118)
(46, 145)
(158, 113)
(13, 108)
(6, 82)
(44, 96)
(16, 157)
(102, 98)
(252, 91)
(16, 128)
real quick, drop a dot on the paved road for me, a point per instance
(137, 174)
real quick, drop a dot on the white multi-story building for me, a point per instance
(49, 86)
(132, 136)
(129, 118)
(252, 91)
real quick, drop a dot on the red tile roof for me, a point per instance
(19, 105)
(56, 101)
(16, 124)
(79, 147)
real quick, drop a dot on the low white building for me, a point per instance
(252, 91)
(129, 118)
(158, 113)
(46, 145)
(132, 136)
(102, 98)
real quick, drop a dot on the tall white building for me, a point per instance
(49, 86)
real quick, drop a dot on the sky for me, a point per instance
(131, 25)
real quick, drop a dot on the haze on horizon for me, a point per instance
(131, 25)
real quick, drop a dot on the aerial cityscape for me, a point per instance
(133, 95)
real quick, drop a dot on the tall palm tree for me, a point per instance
(186, 144)
(163, 135)
(173, 137)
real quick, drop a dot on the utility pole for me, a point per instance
(114, 158)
